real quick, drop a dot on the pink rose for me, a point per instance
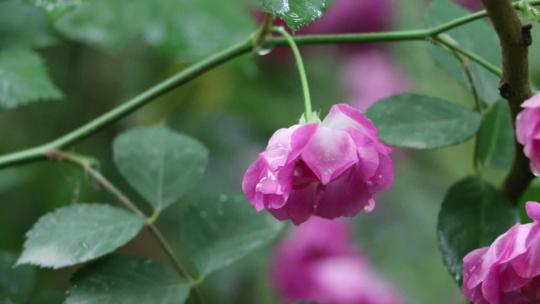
(473, 5)
(508, 271)
(528, 131)
(370, 76)
(330, 169)
(317, 262)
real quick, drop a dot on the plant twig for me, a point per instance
(80, 162)
(301, 70)
(515, 39)
(260, 35)
(177, 80)
(495, 70)
(477, 166)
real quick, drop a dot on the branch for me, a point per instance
(515, 39)
(83, 164)
(177, 80)
(451, 45)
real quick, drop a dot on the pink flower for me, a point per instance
(508, 271)
(329, 169)
(473, 5)
(528, 131)
(317, 262)
(370, 76)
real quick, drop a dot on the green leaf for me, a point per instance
(78, 233)
(473, 214)
(4, 300)
(16, 284)
(127, 280)
(49, 297)
(10, 178)
(423, 122)
(496, 149)
(185, 30)
(24, 79)
(214, 233)
(296, 13)
(477, 37)
(24, 26)
(161, 164)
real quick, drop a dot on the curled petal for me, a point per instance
(533, 102)
(533, 210)
(343, 116)
(346, 196)
(300, 205)
(286, 144)
(249, 183)
(528, 131)
(329, 153)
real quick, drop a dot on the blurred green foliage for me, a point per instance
(232, 110)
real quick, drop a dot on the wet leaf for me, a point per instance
(159, 163)
(127, 280)
(296, 13)
(24, 79)
(473, 214)
(496, 149)
(77, 234)
(216, 232)
(423, 122)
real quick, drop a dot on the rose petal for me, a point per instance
(346, 196)
(342, 116)
(533, 210)
(300, 205)
(329, 153)
(533, 102)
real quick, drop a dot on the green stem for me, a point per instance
(40, 152)
(477, 166)
(495, 70)
(124, 109)
(260, 35)
(515, 39)
(95, 174)
(301, 69)
(80, 162)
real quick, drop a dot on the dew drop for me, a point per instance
(263, 50)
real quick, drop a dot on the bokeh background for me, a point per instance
(233, 110)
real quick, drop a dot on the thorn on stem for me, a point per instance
(53, 154)
(526, 36)
(505, 90)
